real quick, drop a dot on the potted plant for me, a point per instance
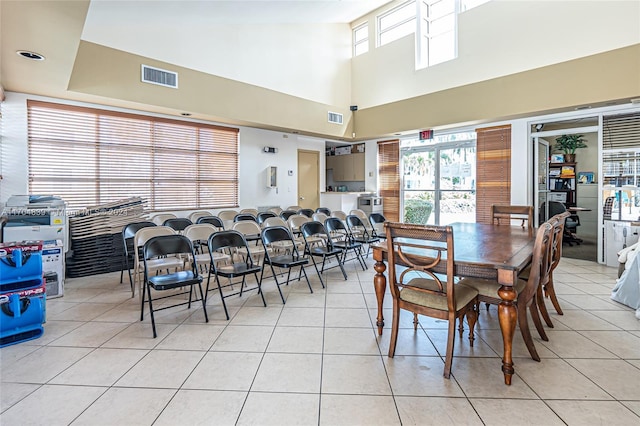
(568, 144)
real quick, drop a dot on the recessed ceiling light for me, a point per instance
(185, 114)
(30, 55)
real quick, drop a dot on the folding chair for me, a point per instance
(312, 231)
(289, 259)
(160, 247)
(230, 242)
(343, 239)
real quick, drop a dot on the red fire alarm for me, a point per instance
(426, 134)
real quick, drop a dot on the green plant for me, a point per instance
(569, 143)
(417, 211)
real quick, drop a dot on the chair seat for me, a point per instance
(174, 280)
(237, 269)
(489, 288)
(347, 245)
(287, 261)
(463, 295)
(323, 251)
(205, 259)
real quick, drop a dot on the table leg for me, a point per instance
(380, 284)
(508, 316)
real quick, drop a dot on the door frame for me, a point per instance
(317, 165)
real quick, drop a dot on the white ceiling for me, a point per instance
(236, 11)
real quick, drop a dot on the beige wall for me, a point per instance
(495, 39)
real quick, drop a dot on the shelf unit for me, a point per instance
(562, 183)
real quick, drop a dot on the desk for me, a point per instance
(481, 251)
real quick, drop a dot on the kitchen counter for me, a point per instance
(344, 201)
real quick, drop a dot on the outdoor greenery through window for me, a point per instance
(361, 39)
(89, 156)
(439, 179)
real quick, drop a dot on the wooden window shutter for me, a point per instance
(389, 178)
(493, 170)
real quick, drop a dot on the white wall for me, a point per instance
(253, 161)
(496, 39)
(311, 61)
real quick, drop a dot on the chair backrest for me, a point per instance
(228, 241)
(377, 221)
(145, 234)
(253, 212)
(199, 232)
(339, 214)
(247, 227)
(227, 214)
(275, 210)
(274, 234)
(212, 220)
(556, 207)
(274, 221)
(558, 221)
(295, 222)
(319, 217)
(294, 208)
(193, 217)
(159, 219)
(324, 210)
(356, 223)
(315, 229)
(286, 214)
(240, 217)
(306, 212)
(130, 229)
(428, 253)
(608, 208)
(262, 216)
(509, 212)
(336, 227)
(540, 264)
(178, 223)
(165, 245)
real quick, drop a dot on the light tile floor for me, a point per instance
(318, 361)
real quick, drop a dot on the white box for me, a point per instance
(558, 196)
(343, 150)
(53, 267)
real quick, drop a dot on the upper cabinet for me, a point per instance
(349, 167)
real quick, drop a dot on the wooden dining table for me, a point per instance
(498, 252)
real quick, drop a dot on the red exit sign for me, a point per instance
(426, 134)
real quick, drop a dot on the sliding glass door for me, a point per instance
(439, 180)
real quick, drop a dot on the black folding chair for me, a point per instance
(230, 242)
(377, 222)
(362, 236)
(178, 224)
(286, 255)
(307, 212)
(285, 214)
(262, 216)
(244, 216)
(343, 239)
(324, 210)
(128, 232)
(212, 220)
(314, 231)
(162, 246)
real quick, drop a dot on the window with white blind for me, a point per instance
(89, 156)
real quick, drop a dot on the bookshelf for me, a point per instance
(562, 183)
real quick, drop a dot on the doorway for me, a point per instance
(308, 179)
(551, 184)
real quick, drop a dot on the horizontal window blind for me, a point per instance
(389, 178)
(621, 131)
(493, 170)
(89, 156)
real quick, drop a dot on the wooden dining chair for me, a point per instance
(426, 286)
(508, 213)
(527, 290)
(546, 288)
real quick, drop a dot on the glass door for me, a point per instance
(541, 180)
(439, 183)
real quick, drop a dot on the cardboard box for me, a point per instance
(343, 150)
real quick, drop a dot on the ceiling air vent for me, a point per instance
(334, 117)
(159, 76)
